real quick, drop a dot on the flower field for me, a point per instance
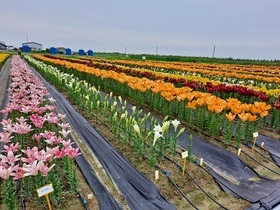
(203, 104)
(224, 103)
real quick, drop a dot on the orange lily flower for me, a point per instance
(211, 108)
(192, 105)
(236, 109)
(200, 101)
(264, 113)
(243, 116)
(246, 107)
(254, 110)
(219, 108)
(230, 116)
(252, 118)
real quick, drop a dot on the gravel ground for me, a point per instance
(4, 81)
(4, 84)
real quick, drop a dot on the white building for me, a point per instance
(33, 45)
(3, 46)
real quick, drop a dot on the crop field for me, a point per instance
(138, 134)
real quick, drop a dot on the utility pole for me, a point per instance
(214, 51)
(125, 50)
(157, 51)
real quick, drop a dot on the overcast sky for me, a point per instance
(247, 29)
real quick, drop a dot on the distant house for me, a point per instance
(3, 46)
(10, 47)
(33, 45)
(61, 50)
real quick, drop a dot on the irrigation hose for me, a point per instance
(83, 200)
(198, 164)
(176, 186)
(256, 159)
(209, 196)
(166, 173)
(21, 195)
(262, 154)
(261, 163)
(263, 148)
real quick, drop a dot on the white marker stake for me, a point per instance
(255, 135)
(44, 191)
(184, 157)
(156, 175)
(201, 162)
(90, 196)
(239, 152)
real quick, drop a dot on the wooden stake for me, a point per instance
(184, 157)
(48, 201)
(185, 162)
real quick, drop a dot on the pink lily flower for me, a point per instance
(42, 167)
(41, 110)
(21, 120)
(54, 140)
(30, 169)
(12, 147)
(72, 152)
(52, 100)
(52, 118)
(29, 151)
(42, 155)
(64, 126)
(18, 172)
(25, 109)
(22, 128)
(61, 116)
(47, 134)
(5, 137)
(5, 172)
(6, 110)
(10, 158)
(37, 120)
(7, 122)
(67, 144)
(64, 133)
(59, 153)
(37, 137)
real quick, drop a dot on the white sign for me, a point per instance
(201, 162)
(45, 190)
(184, 154)
(256, 134)
(156, 175)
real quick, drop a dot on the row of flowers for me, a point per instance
(219, 71)
(168, 90)
(3, 57)
(220, 89)
(196, 108)
(34, 138)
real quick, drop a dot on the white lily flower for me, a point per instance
(175, 123)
